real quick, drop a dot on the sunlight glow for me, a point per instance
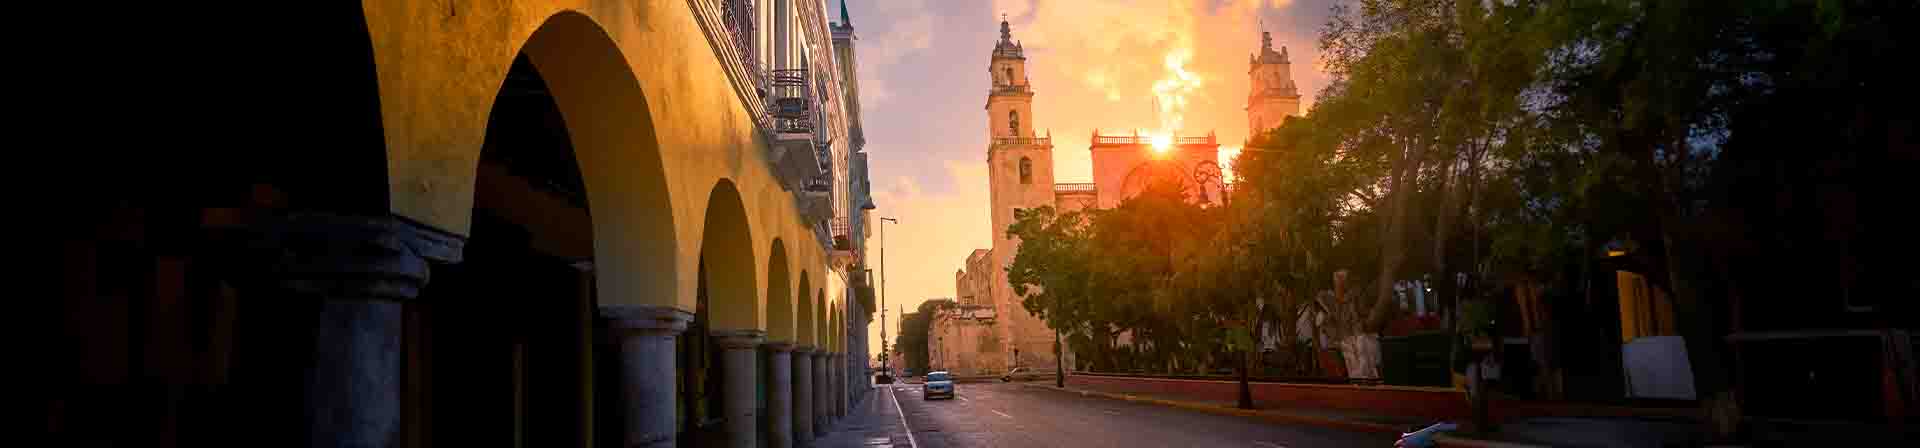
(1170, 95)
(1227, 153)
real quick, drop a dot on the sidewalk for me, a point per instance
(874, 422)
(1351, 421)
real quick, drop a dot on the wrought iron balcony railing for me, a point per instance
(737, 15)
(791, 106)
(841, 228)
(822, 183)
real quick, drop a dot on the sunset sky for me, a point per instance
(1093, 64)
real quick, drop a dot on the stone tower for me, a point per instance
(1020, 176)
(1272, 96)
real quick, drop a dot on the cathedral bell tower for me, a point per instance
(1020, 176)
(1273, 96)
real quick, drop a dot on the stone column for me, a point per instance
(359, 269)
(803, 396)
(839, 386)
(840, 370)
(741, 388)
(647, 394)
(780, 395)
(833, 394)
(846, 399)
(822, 408)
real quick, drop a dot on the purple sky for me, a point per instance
(923, 76)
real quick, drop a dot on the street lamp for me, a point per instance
(883, 289)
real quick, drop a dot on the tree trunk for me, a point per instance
(1442, 227)
(1696, 317)
(1393, 243)
(1246, 391)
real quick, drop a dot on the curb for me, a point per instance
(1443, 440)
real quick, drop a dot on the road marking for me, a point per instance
(1269, 444)
(903, 421)
(1002, 414)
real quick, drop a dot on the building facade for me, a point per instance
(1021, 176)
(1272, 96)
(963, 340)
(527, 223)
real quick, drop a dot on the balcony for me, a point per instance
(737, 16)
(1010, 89)
(1074, 188)
(1137, 139)
(841, 228)
(791, 119)
(816, 197)
(791, 107)
(1036, 141)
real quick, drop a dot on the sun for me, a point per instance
(1162, 143)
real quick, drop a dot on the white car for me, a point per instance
(938, 383)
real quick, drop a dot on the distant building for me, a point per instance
(1020, 176)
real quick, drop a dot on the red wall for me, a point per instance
(1387, 400)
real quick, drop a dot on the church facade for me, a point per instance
(1020, 173)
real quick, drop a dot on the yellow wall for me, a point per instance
(655, 123)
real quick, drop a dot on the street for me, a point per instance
(1011, 415)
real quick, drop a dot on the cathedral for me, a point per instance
(1020, 173)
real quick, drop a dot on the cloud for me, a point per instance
(907, 29)
(1094, 63)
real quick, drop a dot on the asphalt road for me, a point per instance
(1010, 415)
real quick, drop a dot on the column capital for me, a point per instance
(646, 318)
(779, 346)
(802, 349)
(372, 258)
(737, 339)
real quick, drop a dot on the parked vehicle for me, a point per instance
(1010, 373)
(938, 383)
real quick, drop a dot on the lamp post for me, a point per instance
(888, 366)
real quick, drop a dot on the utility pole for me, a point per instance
(883, 289)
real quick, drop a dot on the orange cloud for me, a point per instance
(1095, 64)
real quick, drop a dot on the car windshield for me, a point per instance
(937, 376)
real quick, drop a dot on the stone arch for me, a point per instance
(836, 330)
(820, 315)
(726, 248)
(343, 169)
(619, 158)
(780, 316)
(803, 326)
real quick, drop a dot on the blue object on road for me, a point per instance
(1424, 437)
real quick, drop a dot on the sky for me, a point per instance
(1093, 64)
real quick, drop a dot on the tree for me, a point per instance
(913, 333)
(1050, 270)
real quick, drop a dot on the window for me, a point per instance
(1026, 171)
(1013, 123)
(1010, 76)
